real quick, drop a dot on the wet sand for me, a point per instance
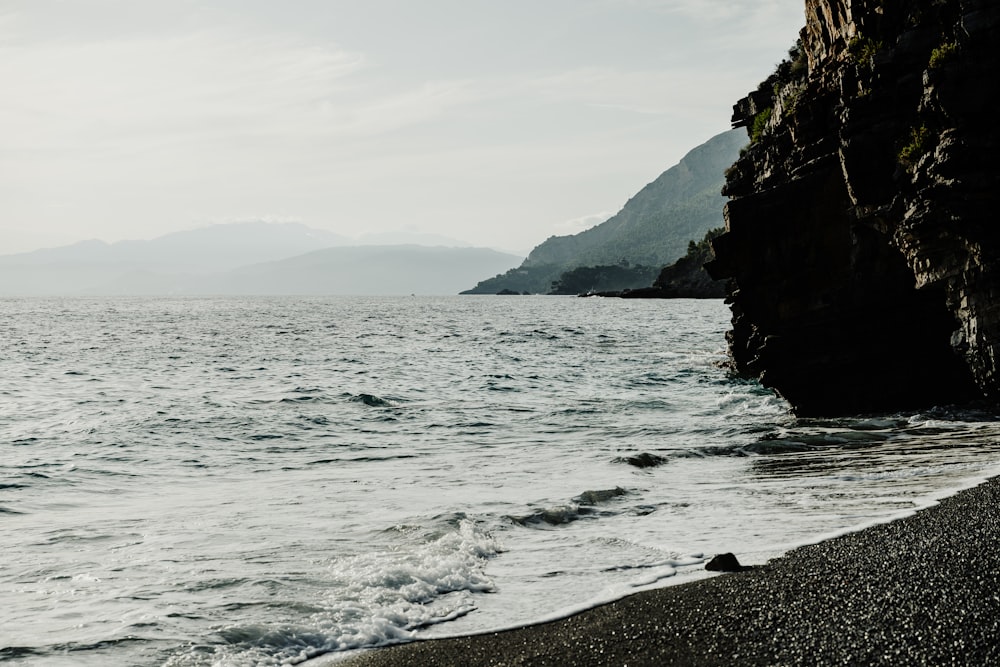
(923, 590)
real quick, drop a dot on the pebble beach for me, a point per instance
(921, 590)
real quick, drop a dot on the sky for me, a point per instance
(495, 122)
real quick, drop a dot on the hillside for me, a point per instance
(652, 229)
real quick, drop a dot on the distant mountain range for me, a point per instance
(246, 258)
(652, 230)
(212, 248)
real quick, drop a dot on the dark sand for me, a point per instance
(924, 590)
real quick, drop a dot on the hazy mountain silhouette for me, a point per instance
(216, 247)
(405, 237)
(400, 269)
(245, 258)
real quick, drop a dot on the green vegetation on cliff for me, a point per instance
(615, 277)
(687, 276)
(653, 229)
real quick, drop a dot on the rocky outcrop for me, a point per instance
(862, 231)
(686, 278)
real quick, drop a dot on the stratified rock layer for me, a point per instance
(862, 231)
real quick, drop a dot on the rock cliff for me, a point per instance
(862, 229)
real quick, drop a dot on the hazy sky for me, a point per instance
(499, 122)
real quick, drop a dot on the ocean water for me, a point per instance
(232, 481)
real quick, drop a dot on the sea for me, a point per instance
(273, 481)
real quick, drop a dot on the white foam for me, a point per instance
(655, 576)
(377, 599)
(667, 572)
(919, 504)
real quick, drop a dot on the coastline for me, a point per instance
(923, 589)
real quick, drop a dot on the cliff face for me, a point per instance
(862, 230)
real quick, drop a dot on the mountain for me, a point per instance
(215, 247)
(348, 270)
(652, 229)
(404, 237)
(245, 258)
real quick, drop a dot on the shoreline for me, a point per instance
(922, 589)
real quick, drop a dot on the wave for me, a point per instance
(216, 584)
(18, 652)
(581, 506)
(360, 459)
(72, 647)
(817, 435)
(597, 497)
(552, 516)
(306, 395)
(303, 399)
(371, 400)
(376, 598)
(642, 460)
